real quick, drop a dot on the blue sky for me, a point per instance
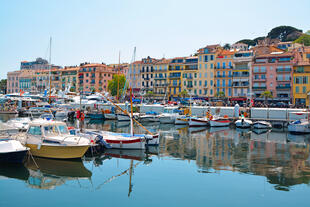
(96, 30)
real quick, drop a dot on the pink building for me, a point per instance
(272, 71)
(94, 77)
(13, 82)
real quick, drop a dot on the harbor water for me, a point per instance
(191, 167)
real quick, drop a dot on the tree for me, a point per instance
(303, 39)
(248, 42)
(266, 95)
(112, 84)
(3, 86)
(220, 94)
(227, 46)
(184, 93)
(282, 33)
(258, 39)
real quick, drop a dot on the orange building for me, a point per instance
(94, 77)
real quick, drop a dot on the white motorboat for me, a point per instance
(182, 120)
(219, 122)
(261, 125)
(169, 116)
(149, 117)
(110, 116)
(12, 151)
(61, 114)
(21, 124)
(51, 139)
(243, 123)
(198, 122)
(122, 117)
(301, 126)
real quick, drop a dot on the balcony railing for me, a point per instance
(259, 71)
(174, 76)
(259, 87)
(284, 70)
(283, 87)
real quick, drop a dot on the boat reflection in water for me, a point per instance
(52, 173)
(281, 157)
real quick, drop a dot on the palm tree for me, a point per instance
(227, 46)
(266, 95)
(184, 93)
(220, 94)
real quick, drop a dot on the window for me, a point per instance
(206, 83)
(211, 92)
(200, 83)
(271, 84)
(206, 66)
(218, 65)
(206, 58)
(224, 65)
(199, 66)
(256, 69)
(304, 89)
(200, 57)
(211, 83)
(51, 130)
(35, 130)
(211, 57)
(211, 66)
(206, 75)
(297, 89)
(223, 83)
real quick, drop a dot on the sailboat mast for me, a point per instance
(119, 64)
(131, 113)
(50, 68)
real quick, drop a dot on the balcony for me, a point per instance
(284, 70)
(259, 71)
(259, 80)
(160, 78)
(190, 77)
(259, 87)
(189, 86)
(284, 87)
(174, 76)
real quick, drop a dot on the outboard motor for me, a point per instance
(99, 140)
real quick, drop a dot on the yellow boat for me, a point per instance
(51, 139)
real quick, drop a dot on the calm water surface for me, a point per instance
(191, 167)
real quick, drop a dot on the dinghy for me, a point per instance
(243, 123)
(262, 125)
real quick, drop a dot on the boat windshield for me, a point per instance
(63, 129)
(51, 130)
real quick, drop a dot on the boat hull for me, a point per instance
(258, 125)
(122, 117)
(244, 124)
(181, 121)
(149, 119)
(126, 144)
(219, 123)
(58, 152)
(110, 116)
(13, 157)
(197, 122)
(167, 120)
(299, 129)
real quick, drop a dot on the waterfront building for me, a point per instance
(39, 63)
(223, 73)
(175, 70)
(69, 78)
(147, 76)
(272, 71)
(42, 80)
(242, 66)
(13, 82)
(301, 78)
(27, 81)
(160, 78)
(190, 76)
(134, 77)
(205, 73)
(94, 77)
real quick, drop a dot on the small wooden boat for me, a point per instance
(219, 122)
(183, 120)
(169, 116)
(198, 122)
(243, 123)
(262, 125)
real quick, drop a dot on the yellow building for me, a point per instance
(160, 78)
(175, 71)
(301, 84)
(205, 74)
(189, 74)
(301, 75)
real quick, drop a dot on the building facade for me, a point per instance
(13, 82)
(206, 64)
(160, 78)
(147, 76)
(223, 73)
(242, 68)
(134, 76)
